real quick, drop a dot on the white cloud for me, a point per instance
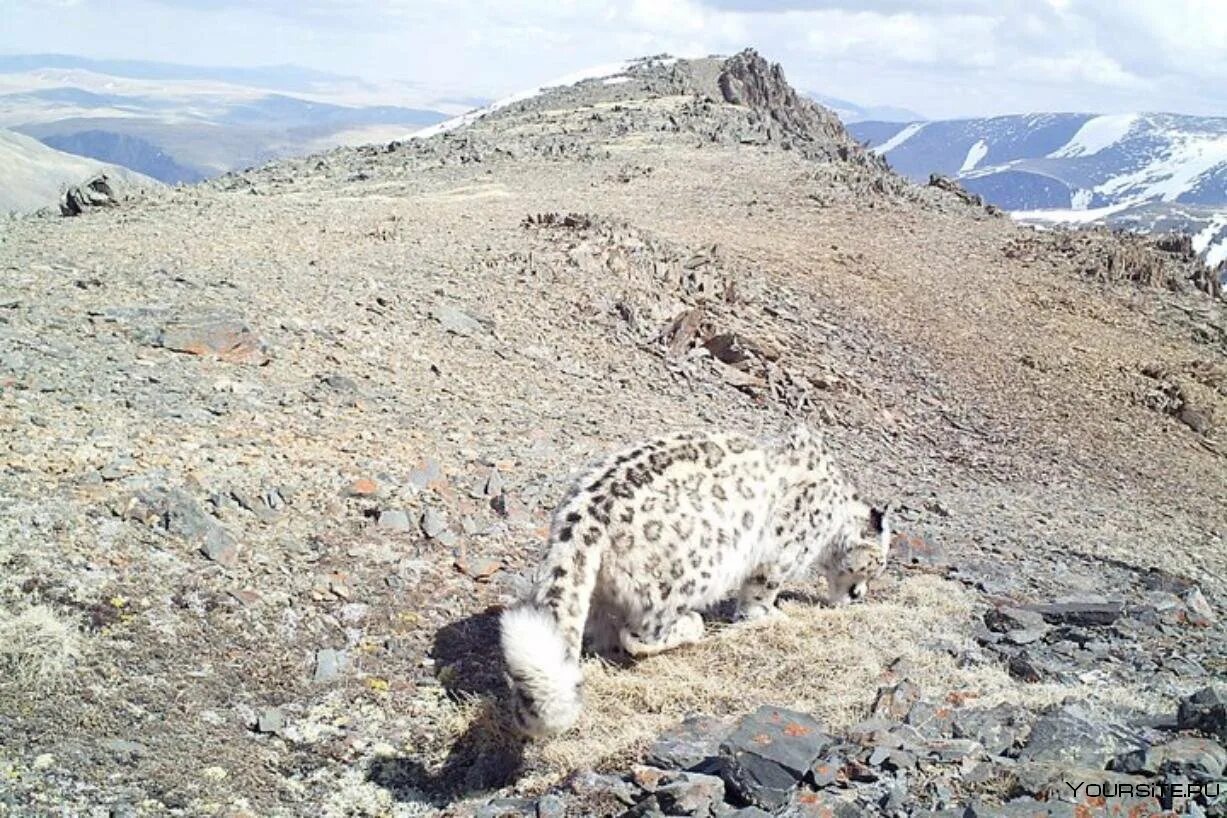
(942, 57)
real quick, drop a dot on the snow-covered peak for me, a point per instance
(1146, 171)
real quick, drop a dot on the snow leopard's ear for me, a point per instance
(877, 520)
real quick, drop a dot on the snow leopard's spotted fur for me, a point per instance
(664, 530)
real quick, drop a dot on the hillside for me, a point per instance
(180, 123)
(35, 175)
(1149, 172)
(277, 446)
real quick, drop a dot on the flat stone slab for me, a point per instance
(1063, 736)
(689, 744)
(1082, 614)
(768, 753)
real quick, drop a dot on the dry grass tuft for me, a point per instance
(825, 661)
(829, 662)
(36, 648)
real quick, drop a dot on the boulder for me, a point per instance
(97, 191)
(768, 753)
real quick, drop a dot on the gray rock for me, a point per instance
(254, 503)
(826, 804)
(457, 321)
(1018, 625)
(424, 473)
(826, 770)
(1198, 610)
(998, 729)
(1187, 755)
(895, 702)
(394, 519)
(879, 755)
(931, 720)
(220, 548)
(1026, 668)
(226, 339)
(1065, 736)
(896, 796)
(691, 794)
(1205, 711)
(689, 744)
(1080, 614)
(766, 755)
(551, 806)
(177, 514)
(872, 732)
(1006, 619)
(951, 750)
(97, 191)
(341, 383)
(1021, 808)
(121, 746)
(748, 812)
(910, 549)
(506, 808)
(433, 523)
(271, 720)
(328, 664)
(589, 783)
(494, 483)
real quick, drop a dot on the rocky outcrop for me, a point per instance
(928, 759)
(748, 80)
(1167, 262)
(97, 191)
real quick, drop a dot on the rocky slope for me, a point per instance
(277, 446)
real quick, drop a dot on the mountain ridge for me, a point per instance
(1151, 172)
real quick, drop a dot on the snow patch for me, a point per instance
(615, 80)
(975, 154)
(1095, 135)
(899, 138)
(1081, 199)
(1177, 172)
(1217, 253)
(1066, 216)
(1212, 240)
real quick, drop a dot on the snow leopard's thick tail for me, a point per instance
(542, 638)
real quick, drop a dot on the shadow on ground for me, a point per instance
(489, 755)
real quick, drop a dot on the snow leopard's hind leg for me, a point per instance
(756, 599)
(651, 634)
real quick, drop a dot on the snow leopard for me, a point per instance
(660, 532)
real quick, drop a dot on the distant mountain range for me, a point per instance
(33, 175)
(849, 112)
(1145, 172)
(181, 123)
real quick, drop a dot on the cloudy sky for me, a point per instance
(943, 58)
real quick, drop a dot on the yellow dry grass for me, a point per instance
(36, 648)
(829, 662)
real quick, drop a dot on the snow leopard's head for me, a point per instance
(863, 557)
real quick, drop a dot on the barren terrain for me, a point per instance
(261, 580)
